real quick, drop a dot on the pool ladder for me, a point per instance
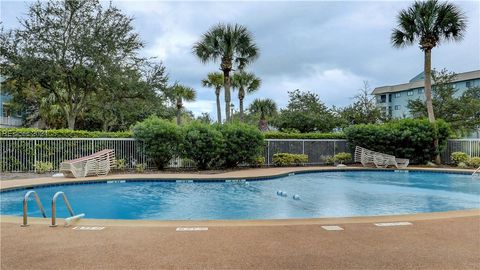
(42, 210)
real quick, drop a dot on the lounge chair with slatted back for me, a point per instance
(98, 163)
(380, 160)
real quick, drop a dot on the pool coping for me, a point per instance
(247, 175)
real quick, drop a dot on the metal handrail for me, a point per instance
(25, 206)
(54, 207)
(478, 169)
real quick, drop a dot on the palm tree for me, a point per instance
(178, 94)
(265, 107)
(246, 83)
(215, 80)
(228, 44)
(429, 23)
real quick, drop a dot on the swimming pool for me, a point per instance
(321, 194)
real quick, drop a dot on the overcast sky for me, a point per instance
(326, 47)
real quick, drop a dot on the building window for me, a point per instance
(397, 95)
(420, 91)
(389, 97)
(397, 107)
(410, 93)
(470, 84)
(383, 98)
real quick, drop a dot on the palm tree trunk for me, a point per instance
(179, 111)
(241, 96)
(227, 81)
(428, 84)
(428, 96)
(219, 109)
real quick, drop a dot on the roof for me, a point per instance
(415, 83)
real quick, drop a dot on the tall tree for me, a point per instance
(305, 112)
(180, 93)
(429, 23)
(215, 80)
(232, 46)
(266, 108)
(246, 83)
(69, 48)
(460, 110)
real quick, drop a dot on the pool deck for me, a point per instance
(449, 240)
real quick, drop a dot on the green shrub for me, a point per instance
(140, 168)
(328, 159)
(342, 157)
(406, 138)
(43, 167)
(243, 143)
(258, 162)
(120, 164)
(458, 157)
(203, 144)
(462, 165)
(162, 139)
(311, 135)
(286, 159)
(474, 162)
(59, 133)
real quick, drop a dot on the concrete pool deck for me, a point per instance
(449, 240)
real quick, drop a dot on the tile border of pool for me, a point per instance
(24, 184)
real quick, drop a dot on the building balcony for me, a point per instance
(10, 121)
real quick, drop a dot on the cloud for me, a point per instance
(200, 106)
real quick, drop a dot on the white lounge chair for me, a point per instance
(98, 163)
(380, 160)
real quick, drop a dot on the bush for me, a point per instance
(311, 135)
(120, 164)
(459, 157)
(342, 157)
(258, 162)
(243, 144)
(203, 144)
(406, 138)
(59, 133)
(162, 139)
(328, 159)
(43, 167)
(462, 165)
(474, 162)
(140, 168)
(286, 159)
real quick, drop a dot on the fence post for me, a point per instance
(34, 155)
(268, 153)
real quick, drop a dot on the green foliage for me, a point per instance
(462, 165)
(77, 63)
(243, 143)
(161, 138)
(328, 159)
(459, 157)
(311, 135)
(258, 162)
(306, 113)
(342, 157)
(43, 167)
(460, 111)
(406, 138)
(474, 162)
(202, 144)
(120, 164)
(286, 159)
(264, 109)
(140, 168)
(59, 133)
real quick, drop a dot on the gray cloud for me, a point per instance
(326, 47)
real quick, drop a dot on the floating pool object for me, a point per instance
(279, 192)
(284, 194)
(296, 197)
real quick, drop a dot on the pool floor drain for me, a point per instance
(332, 228)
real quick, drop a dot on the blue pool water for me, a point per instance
(325, 194)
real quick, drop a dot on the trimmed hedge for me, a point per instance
(311, 135)
(287, 159)
(203, 144)
(406, 138)
(60, 133)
